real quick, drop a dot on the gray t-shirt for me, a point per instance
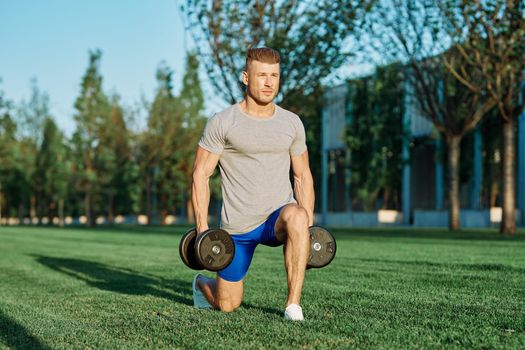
(254, 163)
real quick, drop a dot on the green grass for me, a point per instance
(127, 288)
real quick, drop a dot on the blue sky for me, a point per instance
(50, 40)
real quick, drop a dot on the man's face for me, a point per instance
(262, 80)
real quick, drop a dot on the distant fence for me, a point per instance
(100, 220)
(420, 218)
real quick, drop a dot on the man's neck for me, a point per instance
(249, 106)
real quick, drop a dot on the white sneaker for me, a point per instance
(199, 300)
(293, 312)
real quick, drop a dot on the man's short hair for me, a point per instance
(262, 54)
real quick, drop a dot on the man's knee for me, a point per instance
(228, 305)
(295, 219)
(229, 295)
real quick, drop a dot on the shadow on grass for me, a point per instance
(452, 266)
(15, 336)
(126, 281)
(268, 310)
(120, 280)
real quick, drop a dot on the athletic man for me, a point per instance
(255, 142)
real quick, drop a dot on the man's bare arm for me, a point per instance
(205, 163)
(304, 184)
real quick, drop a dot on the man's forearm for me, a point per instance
(200, 198)
(304, 194)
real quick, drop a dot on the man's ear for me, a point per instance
(245, 78)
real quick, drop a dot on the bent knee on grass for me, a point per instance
(229, 295)
(228, 306)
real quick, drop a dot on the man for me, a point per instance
(255, 142)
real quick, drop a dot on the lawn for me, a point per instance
(387, 288)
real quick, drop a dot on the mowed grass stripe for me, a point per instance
(387, 288)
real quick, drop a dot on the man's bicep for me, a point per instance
(300, 164)
(205, 162)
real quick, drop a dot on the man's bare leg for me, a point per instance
(221, 294)
(292, 227)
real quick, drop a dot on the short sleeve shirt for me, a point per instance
(254, 163)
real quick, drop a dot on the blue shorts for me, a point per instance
(245, 245)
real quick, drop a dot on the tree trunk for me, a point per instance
(163, 209)
(51, 212)
(386, 198)
(32, 209)
(61, 212)
(148, 196)
(453, 143)
(87, 205)
(111, 214)
(163, 216)
(40, 209)
(1, 203)
(508, 219)
(21, 212)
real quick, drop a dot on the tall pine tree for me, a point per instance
(93, 110)
(191, 101)
(164, 125)
(53, 169)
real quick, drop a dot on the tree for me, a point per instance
(375, 137)
(16, 163)
(413, 32)
(7, 141)
(191, 102)
(53, 170)
(93, 110)
(489, 36)
(162, 155)
(32, 115)
(120, 190)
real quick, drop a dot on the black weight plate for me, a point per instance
(322, 247)
(187, 250)
(214, 249)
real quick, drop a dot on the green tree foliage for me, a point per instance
(32, 116)
(99, 170)
(162, 155)
(191, 102)
(122, 191)
(375, 139)
(175, 124)
(33, 113)
(52, 171)
(19, 151)
(7, 152)
(93, 113)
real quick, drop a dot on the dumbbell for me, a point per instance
(322, 248)
(213, 250)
